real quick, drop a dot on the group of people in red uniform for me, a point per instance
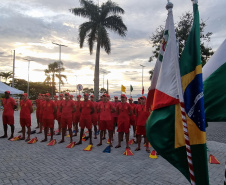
(103, 116)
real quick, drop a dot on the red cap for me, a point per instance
(131, 99)
(92, 96)
(79, 96)
(8, 92)
(143, 97)
(139, 98)
(86, 94)
(123, 95)
(61, 95)
(106, 95)
(25, 94)
(55, 96)
(47, 94)
(71, 96)
(116, 97)
(67, 94)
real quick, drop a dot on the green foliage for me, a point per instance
(35, 87)
(88, 90)
(182, 30)
(103, 90)
(6, 75)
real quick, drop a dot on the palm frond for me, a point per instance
(83, 30)
(104, 39)
(91, 39)
(116, 24)
(110, 8)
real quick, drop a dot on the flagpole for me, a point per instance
(169, 7)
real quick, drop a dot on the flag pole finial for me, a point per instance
(169, 5)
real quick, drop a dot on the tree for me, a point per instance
(103, 91)
(52, 72)
(88, 90)
(103, 18)
(6, 75)
(182, 30)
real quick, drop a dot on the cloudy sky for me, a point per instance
(30, 26)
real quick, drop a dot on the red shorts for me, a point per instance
(114, 120)
(40, 118)
(94, 119)
(66, 122)
(8, 120)
(25, 122)
(48, 123)
(85, 122)
(123, 126)
(141, 130)
(76, 119)
(103, 125)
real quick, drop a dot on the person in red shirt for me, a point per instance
(132, 117)
(49, 111)
(86, 109)
(94, 116)
(124, 111)
(114, 114)
(105, 108)
(25, 115)
(37, 101)
(67, 108)
(142, 116)
(42, 100)
(55, 101)
(59, 113)
(71, 97)
(76, 115)
(9, 105)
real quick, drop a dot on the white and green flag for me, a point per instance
(214, 75)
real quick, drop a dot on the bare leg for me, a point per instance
(120, 134)
(45, 134)
(80, 141)
(90, 136)
(138, 142)
(95, 132)
(110, 137)
(51, 133)
(63, 134)
(127, 140)
(5, 126)
(147, 144)
(23, 133)
(28, 133)
(101, 135)
(70, 132)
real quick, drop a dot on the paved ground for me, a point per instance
(39, 164)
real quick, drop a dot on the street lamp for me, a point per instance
(142, 76)
(59, 61)
(28, 76)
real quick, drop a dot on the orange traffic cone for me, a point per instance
(128, 152)
(71, 145)
(153, 154)
(51, 143)
(33, 140)
(213, 160)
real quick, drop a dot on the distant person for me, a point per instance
(124, 111)
(58, 104)
(94, 116)
(67, 108)
(9, 105)
(86, 109)
(142, 116)
(38, 109)
(132, 117)
(25, 116)
(76, 115)
(114, 114)
(49, 112)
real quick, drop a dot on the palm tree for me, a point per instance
(6, 75)
(52, 72)
(103, 18)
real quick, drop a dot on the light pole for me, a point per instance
(59, 61)
(28, 76)
(13, 68)
(142, 76)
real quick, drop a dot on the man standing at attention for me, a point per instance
(67, 108)
(25, 116)
(86, 109)
(124, 111)
(37, 101)
(105, 108)
(76, 115)
(94, 116)
(132, 117)
(49, 111)
(9, 105)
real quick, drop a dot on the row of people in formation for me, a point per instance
(104, 115)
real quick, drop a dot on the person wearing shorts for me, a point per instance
(25, 116)
(9, 105)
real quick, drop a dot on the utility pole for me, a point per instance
(13, 68)
(28, 76)
(142, 76)
(59, 61)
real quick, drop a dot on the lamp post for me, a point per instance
(59, 61)
(28, 75)
(142, 77)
